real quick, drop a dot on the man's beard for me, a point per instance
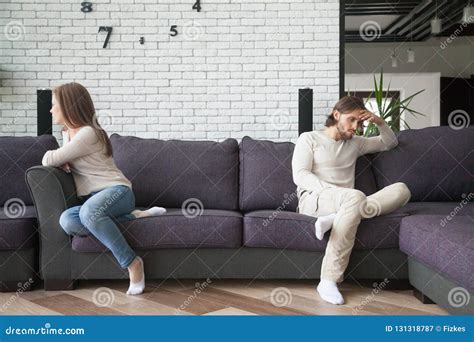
(345, 135)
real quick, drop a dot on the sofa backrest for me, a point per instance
(436, 163)
(17, 154)
(266, 180)
(177, 173)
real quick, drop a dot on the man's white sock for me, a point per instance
(328, 291)
(323, 224)
(154, 211)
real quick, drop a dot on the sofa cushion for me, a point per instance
(17, 227)
(266, 179)
(176, 229)
(272, 229)
(447, 248)
(171, 173)
(440, 208)
(436, 163)
(17, 154)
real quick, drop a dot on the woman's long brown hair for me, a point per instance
(78, 111)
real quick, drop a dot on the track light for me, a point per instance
(436, 25)
(394, 59)
(411, 55)
(468, 15)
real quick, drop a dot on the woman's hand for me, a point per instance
(370, 117)
(66, 168)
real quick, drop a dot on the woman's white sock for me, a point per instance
(328, 291)
(137, 288)
(153, 211)
(323, 224)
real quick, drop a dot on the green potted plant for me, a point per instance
(389, 109)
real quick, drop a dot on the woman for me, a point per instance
(87, 154)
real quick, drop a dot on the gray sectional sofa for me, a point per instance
(231, 214)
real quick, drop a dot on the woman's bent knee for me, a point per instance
(66, 222)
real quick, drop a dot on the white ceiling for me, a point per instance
(354, 22)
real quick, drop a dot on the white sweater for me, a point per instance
(91, 169)
(321, 162)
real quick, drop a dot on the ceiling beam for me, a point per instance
(449, 8)
(420, 19)
(406, 19)
(457, 13)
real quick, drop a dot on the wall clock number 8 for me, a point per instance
(86, 7)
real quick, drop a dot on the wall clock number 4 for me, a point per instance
(197, 5)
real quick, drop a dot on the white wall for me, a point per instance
(234, 69)
(450, 58)
(428, 102)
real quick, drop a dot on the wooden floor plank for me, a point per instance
(188, 302)
(230, 311)
(218, 297)
(256, 306)
(72, 305)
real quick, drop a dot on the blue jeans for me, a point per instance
(95, 217)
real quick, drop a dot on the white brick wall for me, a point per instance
(233, 70)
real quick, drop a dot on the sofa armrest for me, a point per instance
(52, 191)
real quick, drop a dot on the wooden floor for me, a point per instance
(219, 297)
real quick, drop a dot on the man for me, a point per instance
(324, 172)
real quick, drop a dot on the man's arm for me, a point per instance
(383, 142)
(83, 143)
(302, 165)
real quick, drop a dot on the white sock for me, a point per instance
(328, 291)
(154, 211)
(137, 288)
(323, 224)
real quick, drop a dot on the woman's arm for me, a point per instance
(84, 142)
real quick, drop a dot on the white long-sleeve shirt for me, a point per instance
(321, 162)
(91, 168)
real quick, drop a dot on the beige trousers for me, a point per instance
(350, 206)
